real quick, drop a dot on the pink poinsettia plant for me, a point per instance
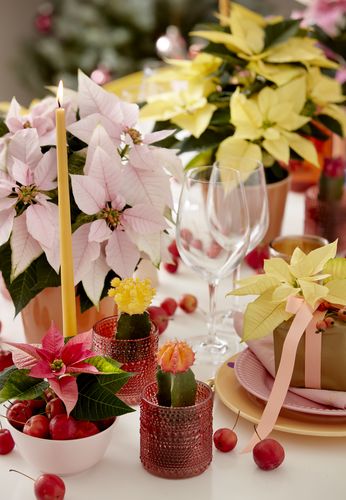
(71, 370)
(120, 193)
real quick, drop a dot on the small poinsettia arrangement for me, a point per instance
(85, 383)
(319, 278)
(120, 193)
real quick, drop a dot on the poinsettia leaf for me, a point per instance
(105, 364)
(336, 268)
(96, 402)
(20, 386)
(3, 127)
(5, 374)
(331, 124)
(76, 164)
(280, 32)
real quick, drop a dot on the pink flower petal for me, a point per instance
(89, 194)
(53, 341)
(84, 338)
(122, 255)
(144, 219)
(27, 348)
(23, 361)
(67, 390)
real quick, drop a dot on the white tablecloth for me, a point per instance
(313, 468)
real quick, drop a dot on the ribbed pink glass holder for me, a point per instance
(137, 356)
(176, 443)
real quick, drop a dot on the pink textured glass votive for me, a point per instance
(176, 443)
(137, 356)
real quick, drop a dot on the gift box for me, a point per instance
(333, 356)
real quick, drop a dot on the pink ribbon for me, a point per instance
(304, 319)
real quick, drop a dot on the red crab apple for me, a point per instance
(85, 428)
(169, 305)
(63, 427)
(37, 426)
(55, 407)
(172, 267)
(5, 359)
(159, 317)
(225, 439)
(173, 249)
(47, 486)
(6, 441)
(18, 414)
(268, 454)
(188, 303)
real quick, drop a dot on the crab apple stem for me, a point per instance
(22, 473)
(259, 437)
(236, 421)
(12, 419)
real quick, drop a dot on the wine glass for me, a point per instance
(212, 236)
(257, 202)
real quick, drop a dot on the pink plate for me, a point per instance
(252, 375)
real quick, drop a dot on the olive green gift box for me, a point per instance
(333, 356)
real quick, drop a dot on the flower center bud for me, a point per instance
(27, 194)
(57, 365)
(135, 135)
(27, 124)
(111, 216)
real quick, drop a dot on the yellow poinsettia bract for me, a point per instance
(271, 117)
(314, 277)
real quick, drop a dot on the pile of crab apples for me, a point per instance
(48, 420)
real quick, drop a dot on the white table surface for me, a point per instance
(314, 468)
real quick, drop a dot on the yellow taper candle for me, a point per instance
(224, 8)
(66, 260)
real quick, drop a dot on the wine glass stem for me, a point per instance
(235, 278)
(211, 315)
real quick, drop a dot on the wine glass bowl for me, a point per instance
(212, 233)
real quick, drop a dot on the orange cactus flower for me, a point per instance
(175, 357)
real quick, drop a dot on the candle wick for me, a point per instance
(59, 105)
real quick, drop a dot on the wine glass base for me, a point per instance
(217, 350)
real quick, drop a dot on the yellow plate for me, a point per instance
(235, 397)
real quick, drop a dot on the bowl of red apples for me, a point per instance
(61, 402)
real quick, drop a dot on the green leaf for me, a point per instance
(331, 124)
(22, 289)
(46, 276)
(220, 50)
(105, 364)
(96, 402)
(3, 127)
(280, 32)
(221, 117)
(209, 139)
(206, 157)
(20, 386)
(76, 164)
(114, 381)
(5, 374)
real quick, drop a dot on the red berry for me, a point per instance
(85, 428)
(159, 317)
(171, 267)
(36, 405)
(18, 414)
(197, 244)
(169, 305)
(49, 487)
(5, 359)
(188, 303)
(55, 407)
(268, 454)
(186, 234)
(255, 259)
(213, 250)
(173, 249)
(37, 426)
(105, 423)
(225, 439)
(63, 427)
(6, 442)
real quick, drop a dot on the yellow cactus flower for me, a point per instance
(175, 357)
(132, 296)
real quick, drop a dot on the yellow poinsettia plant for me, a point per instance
(257, 90)
(317, 277)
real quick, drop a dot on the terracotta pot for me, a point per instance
(277, 195)
(46, 306)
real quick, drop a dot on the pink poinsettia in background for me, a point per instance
(328, 14)
(120, 192)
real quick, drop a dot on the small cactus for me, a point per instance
(176, 382)
(133, 297)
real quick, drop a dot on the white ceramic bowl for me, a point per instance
(63, 457)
